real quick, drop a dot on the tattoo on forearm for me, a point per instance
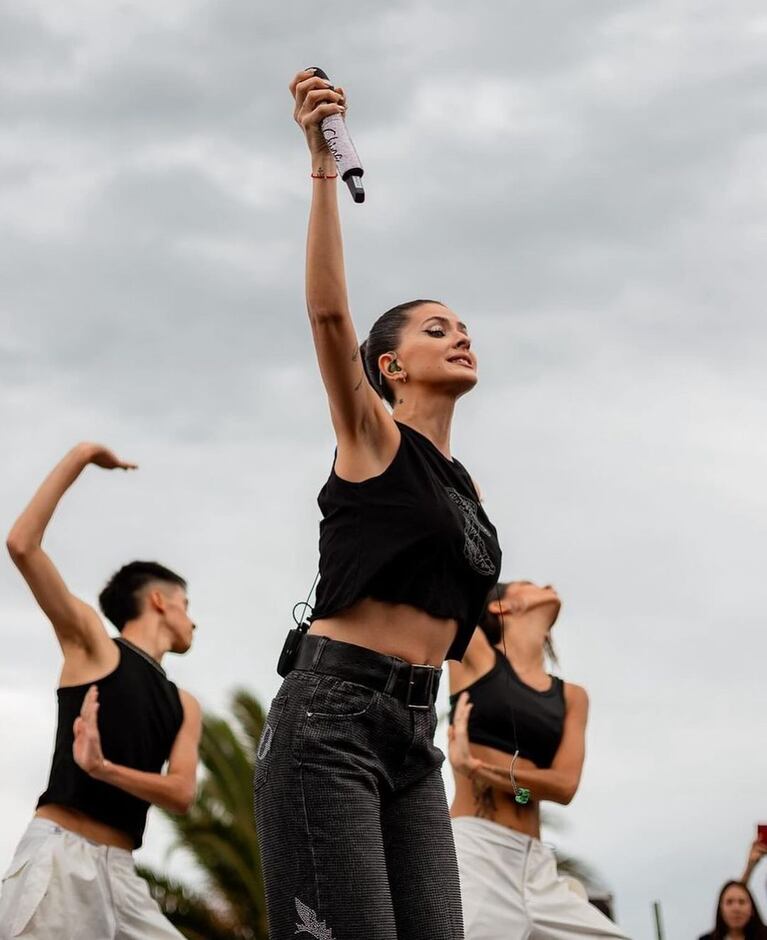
(495, 771)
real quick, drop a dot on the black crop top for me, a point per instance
(539, 716)
(140, 714)
(416, 534)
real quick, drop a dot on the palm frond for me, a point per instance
(251, 716)
(577, 868)
(189, 912)
(220, 834)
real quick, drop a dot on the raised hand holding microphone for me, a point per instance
(319, 110)
(340, 144)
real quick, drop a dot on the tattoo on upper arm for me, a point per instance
(355, 354)
(358, 386)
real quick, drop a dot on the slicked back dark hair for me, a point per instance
(492, 624)
(384, 337)
(754, 929)
(119, 601)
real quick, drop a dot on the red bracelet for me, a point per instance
(321, 176)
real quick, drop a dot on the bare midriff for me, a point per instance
(84, 825)
(481, 799)
(394, 629)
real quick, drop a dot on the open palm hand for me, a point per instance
(458, 748)
(87, 744)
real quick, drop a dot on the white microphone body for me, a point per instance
(340, 145)
(339, 142)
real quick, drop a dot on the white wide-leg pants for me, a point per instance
(510, 888)
(61, 886)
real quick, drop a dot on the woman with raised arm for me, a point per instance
(504, 703)
(350, 805)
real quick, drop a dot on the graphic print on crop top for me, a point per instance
(474, 548)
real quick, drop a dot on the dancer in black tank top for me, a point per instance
(120, 719)
(516, 738)
(352, 818)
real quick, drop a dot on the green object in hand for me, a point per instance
(522, 795)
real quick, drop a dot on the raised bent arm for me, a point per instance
(558, 783)
(756, 853)
(74, 621)
(358, 414)
(174, 790)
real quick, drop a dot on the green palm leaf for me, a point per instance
(219, 832)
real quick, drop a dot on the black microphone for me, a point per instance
(340, 144)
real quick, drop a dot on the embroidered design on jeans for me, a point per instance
(311, 924)
(474, 547)
(266, 741)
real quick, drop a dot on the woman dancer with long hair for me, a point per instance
(350, 804)
(517, 738)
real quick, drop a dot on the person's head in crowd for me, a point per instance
(736, 915)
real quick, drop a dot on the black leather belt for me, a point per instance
(415, 685)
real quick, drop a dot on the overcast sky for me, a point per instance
(584, 182)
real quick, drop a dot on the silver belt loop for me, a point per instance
(318, 652)
(391, 678)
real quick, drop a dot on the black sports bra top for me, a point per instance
(539, 716)
(416, 534)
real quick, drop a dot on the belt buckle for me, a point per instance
(411, 683)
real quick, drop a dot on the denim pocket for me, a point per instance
(265, 742)
(340, 698)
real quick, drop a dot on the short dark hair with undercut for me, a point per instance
(384, 337)
(119, 601)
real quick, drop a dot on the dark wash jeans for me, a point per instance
(351, 813)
